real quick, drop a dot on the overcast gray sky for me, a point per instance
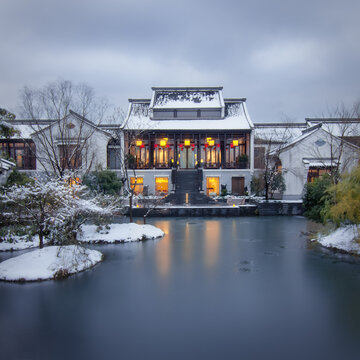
(289, 58)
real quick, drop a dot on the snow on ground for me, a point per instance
(49, 263)
(119, 233)
(19, 243)
(344, 238)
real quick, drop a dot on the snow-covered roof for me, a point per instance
(338, 126)
(319, 162)
(281, 132)
(313, 129)
(6, 164)
(187, 98)
(24, 128)
(237, 119)
(233, 115)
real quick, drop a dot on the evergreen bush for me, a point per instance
(316, 197)
(104, 181)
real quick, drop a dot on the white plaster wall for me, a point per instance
(295, 170)
(96, 148)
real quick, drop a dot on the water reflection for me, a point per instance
(180, 298)
(163, 250)
(188, 245)
(211, 243)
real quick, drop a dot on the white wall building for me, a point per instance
(187, 140)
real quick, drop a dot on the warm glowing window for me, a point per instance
(161, 185)
(70, 156)
(315, 172)
(137, 183)
(22, 152)
(212, 186)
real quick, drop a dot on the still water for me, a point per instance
(212, 288)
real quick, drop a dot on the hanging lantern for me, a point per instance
(163, 142)
(235, 142)
(187, 142)
(139, 142)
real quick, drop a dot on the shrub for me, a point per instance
(316, 198)
(257, 185)
(277, 184)
(104, 181)
(17, 178)
(343, 200)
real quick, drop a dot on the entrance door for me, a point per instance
(212, 186)
(187, 158)
(238, 185)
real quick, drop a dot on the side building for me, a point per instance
(305, 151)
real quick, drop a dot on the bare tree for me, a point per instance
(63, 145)
(271, 140)
(341, 128)
(131, 131)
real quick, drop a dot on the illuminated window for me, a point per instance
(211, 153)
(137, 184)
(163, 153)
(212, 186)
(70, 156)
(316, 172)
(161, 185)
(22, 152)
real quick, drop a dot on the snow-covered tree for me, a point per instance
(56, 208)
(6, 130)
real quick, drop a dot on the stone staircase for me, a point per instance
(188, 182)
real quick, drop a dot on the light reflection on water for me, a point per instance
(221, 288)
(211, 243)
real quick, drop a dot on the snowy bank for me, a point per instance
(49, 263)
(119, 233)
(19, 243)
(344, 239)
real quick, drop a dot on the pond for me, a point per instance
(212, 288)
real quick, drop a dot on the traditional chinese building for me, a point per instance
(192, 133)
